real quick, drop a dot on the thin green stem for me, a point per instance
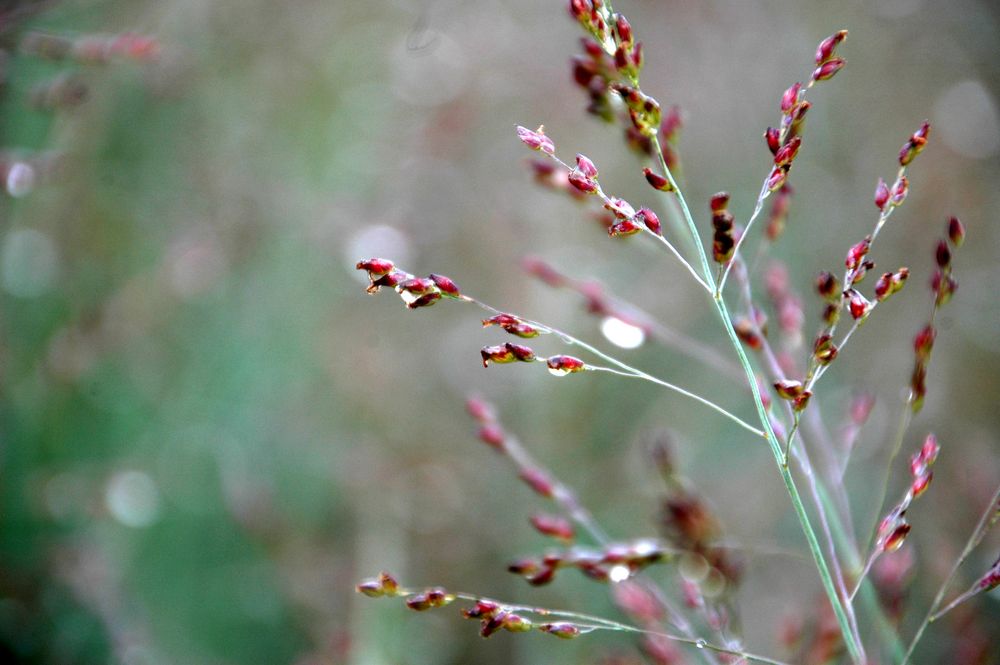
(987, 520)
(628, 369)
(637, 374)
(853, 644)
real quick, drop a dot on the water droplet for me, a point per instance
(701, 644)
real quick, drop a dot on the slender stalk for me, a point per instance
(590, 622)
(712, 405)
(628, 369)
(988, 519)
(853, 645)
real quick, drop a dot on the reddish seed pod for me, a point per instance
(492, 435)
(826, 48)
(649, 218)
(542, 577)
(790, 98)
(585, 166)
(923, 342)
(776, 180)
(827, 70)
(553, 526)
(482, 609)
(370, 588)
(824, 350)
(496, 354)
(719, 202)
(657, 181)
(376, 267)
(582, 183)
(392, 280)
(895, 539)
(747, 332)
(786, 153)
(445, 285)
(881, 194)
(624, 29)
(899, 190)
(522, 353)
(991, 579)
(536, 140)
(914, 145)
(857, 253)
(788, 389)
(828, 286)
(562, 365)
(883, 287)
(956, 232)
(942, 255)
(425, 300)
(921, 483)
(624, 229)
(802, 401)
(620, 208)
(857, 305)
(798, 118)
(537, 480)
(929, 450)
(773, 138)
(515, 623)
(561, 629)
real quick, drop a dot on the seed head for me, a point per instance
(536, 140)
(786, 153)
(881, 194)
(445, 285)
(914, 145)
(563, 365)
(561, 629)
(956, 232)
(657, 181)
(826, 48)
(827, 70)
(899, 191)
(773, 138)
(649, 219)
(790, 98)
(376, 267)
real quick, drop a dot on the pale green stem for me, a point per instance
(988, 519)
(853, 644)
(628, 369)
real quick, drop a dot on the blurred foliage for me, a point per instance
(208, 433)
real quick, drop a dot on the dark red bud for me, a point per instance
(899, 190)
(824, 350)
(536, 140)
(657, 181)
(858, 305)
(788, 389)
(923, 343)
(777, 178)
(492, 435)
(537, 480)
(585, 166)
(623, 229)
(826, 48)
(929, 450)
(582, 183)
(553, 526)
(881, 194)
(790, 98)
(718, 202)
(425, 300)
(561, 629)
(445, 285)
(921, 483)
(856, 253)
(828, 286)
(942, 254)
(895, 539)
(392, 280)
(826, 71)
(786, 153)
(773, 138)
(956, 232)
(624, 29)
(563, 365)
(376, 267)
(914, 145)
(649, 218)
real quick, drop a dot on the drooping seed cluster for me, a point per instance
(416, 292)
(614, 563)
(894, 527)
(943, 285)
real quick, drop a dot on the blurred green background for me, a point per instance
(209, 433)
